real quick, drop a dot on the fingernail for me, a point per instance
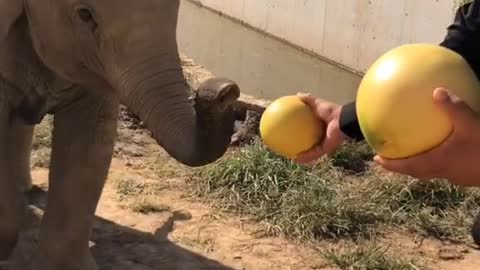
(444, 96)
(376, 159)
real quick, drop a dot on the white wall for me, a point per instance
(351, 32)
(263, 67)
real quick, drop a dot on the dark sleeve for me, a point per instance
(348, 122)
(463, 36)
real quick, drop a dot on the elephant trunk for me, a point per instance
(162, 100)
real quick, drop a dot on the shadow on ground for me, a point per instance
(121, 248)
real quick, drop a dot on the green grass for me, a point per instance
(352, 157)
(369, 256)
(324, 202)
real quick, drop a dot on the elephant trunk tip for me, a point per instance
(214, 105)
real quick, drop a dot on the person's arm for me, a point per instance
(463, 37)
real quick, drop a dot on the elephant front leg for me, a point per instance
(20, 149)
(83, 140)
(15, 177)
(476, 230)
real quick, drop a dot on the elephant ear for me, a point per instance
(10, 10)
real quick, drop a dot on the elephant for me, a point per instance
(79, 61)
(476, 230)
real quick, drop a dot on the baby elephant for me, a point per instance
(78, 60)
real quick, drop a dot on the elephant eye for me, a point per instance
(86, 16)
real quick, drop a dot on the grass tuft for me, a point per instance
(352, 157)
(368, 256)
(41, 144)
(146, 206)
(323, 201)
(130, 187)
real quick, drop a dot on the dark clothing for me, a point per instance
(463, 36)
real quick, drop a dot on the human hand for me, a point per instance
(329, 114)
(457, 159)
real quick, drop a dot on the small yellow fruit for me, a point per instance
(395, 107)
(288, 127)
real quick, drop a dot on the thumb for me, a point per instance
(458, 110)
(307, 98)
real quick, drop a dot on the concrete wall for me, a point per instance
(263, 67)
(350, 32)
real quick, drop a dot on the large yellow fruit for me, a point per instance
(288, 127)
(396, 112)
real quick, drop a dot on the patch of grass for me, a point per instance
(368, 256)
(147, 206)
(166, 167)
(130, 187)
(452, 224)
(352, 157)
(324, 202)
(41, 144)
(437, 208)
(40, 158)
(42, 137)
(289, 198)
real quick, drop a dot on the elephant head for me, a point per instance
(129, 48)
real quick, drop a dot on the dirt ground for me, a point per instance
(179, 233)
(146, 220)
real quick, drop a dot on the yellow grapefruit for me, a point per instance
(395, 108)
(288, 127)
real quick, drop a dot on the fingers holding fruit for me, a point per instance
(411, 132)
(416, 128)
(289, 126)
(456, 157)
(326, 111)
(396, 111)
(333, 139)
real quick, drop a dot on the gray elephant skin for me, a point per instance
(78, 60)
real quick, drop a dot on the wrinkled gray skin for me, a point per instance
(78, 60)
